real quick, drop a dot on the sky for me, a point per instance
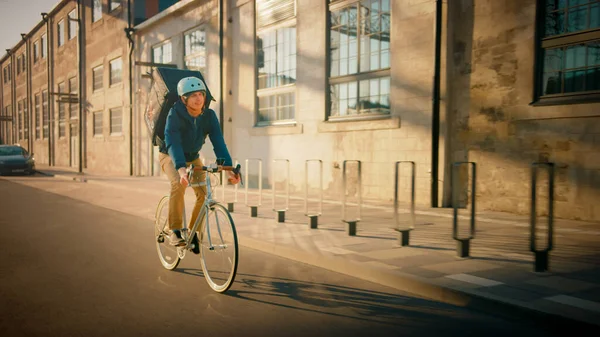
(20, 16)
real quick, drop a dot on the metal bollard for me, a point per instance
(281, 212)
(404, 237)
(463, 244)
(230, 205)
(351, 224)
(541, 256)
(254, 208)
(314, 217)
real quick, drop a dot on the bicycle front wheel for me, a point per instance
(219, 249)
(167, 254)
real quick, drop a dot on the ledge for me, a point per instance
(275, 130)
(360, 125)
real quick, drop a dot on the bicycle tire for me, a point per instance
(228, 273)
(167, 254)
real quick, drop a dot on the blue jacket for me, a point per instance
(185, 135)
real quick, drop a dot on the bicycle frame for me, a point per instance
(208, 201)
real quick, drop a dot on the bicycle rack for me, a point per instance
(281, 212)
(314, 217)
(351, 224)
(541, 256)
(404, 236)
(463, 244)
(230, 205)
(254, 208)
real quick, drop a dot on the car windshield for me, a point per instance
(11, 151)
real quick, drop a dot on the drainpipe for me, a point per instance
(13, 95)
(49, 86)
(221, 49)
(129, 32)
(435, 122)
(80, 32)
(28, 86)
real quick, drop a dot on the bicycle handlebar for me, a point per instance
(214, 168)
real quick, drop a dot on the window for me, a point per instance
(23, 62)
(7, 74)
(276, 57)
(36, 51)
(61, 111)
(116, 70)
(73, 107)
(98, 123)
(45, 115)
(25, 120)
(60, 32)
(98, 79)
(162, 53)
(38, 116)
(44, 46)
(195, 50)
(96, 10)
(20, 120)
(116, 121)
(359, 59)
(568, 67)
(114, 4)
(18, 65)
(72, 24)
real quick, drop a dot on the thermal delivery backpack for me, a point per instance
(162, 96)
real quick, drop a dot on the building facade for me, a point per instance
(503, 84)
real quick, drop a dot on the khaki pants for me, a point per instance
(177, 193)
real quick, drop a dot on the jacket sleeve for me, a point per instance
(173, 139)
(216, 138)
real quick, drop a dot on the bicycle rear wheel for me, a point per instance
(167, 254)
(219, 249)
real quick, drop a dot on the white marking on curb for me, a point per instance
(484, 282)
(575, 302)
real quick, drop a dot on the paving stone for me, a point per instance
(562, 284)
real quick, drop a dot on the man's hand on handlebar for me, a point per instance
(233, 177)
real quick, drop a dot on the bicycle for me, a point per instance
(217, 234)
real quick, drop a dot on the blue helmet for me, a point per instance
(188, 85)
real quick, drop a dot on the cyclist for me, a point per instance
(188, 123)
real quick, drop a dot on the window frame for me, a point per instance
(111, 72)
(541, 43)
(62, 120)
(112, 2)
(38, 115)
(193, 55)
(94, 8)
(45, 115)
(161, 45)
(357, 77)
(73, 114)
(101, 68)
(95, 125)
(44, 42)
(36, 51)
(25, 120)
(280, 90)
(60, 33)
(71, 25)
(120, 119)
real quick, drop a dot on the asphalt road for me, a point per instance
(72, 268)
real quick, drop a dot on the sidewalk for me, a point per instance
(498, 274)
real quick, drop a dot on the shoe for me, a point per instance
(176, 239)
(196, 244)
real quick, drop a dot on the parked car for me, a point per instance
(16, 160)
